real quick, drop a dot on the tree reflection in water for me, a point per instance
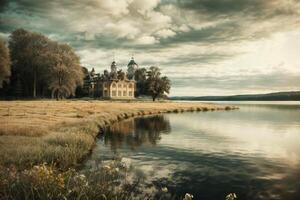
(136, 132)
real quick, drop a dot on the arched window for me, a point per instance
(130, 85)
(114, 85)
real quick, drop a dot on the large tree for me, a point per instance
(44, 65)
(4, 63)
(28, 52)
(65, 72)
(157, 86)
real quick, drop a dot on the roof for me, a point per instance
(118, 80)
(132, 62)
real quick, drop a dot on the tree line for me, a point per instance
(39, 67)
(32, 65)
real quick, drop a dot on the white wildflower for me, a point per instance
(188, 196)
(164, 189)
(231, 196)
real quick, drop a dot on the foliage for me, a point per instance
(42, 66)
(157, 86)
(65, 72)
(28, 55)
(47, 182)
(113, 180)
(121, 75)
(4, 63)
(140, 77)
(150, 82)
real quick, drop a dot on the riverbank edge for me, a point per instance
(115, 118)
(70, 141)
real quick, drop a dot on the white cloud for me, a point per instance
(146, 40)
(165, 33)
(144, 6)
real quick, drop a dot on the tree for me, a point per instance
(121, 75)
(4, 63)
(140, 76)
(157, 86)
(28, 52)
(65, 71)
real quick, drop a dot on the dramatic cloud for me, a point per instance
(204, 46)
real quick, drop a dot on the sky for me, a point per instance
(205, 47)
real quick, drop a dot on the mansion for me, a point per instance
(115, 84)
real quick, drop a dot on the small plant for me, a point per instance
(47, 182)
(188, 196)
(231, 196)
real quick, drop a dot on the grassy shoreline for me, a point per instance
(63, 133)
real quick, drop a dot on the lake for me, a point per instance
(253, 151)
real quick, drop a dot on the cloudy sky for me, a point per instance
(206, 47)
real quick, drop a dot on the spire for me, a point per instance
(113, 67)
(131, 68)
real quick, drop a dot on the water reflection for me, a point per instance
(254, 151)
(136, 132)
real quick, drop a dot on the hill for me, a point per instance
(278, 96)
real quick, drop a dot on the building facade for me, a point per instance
(118, 89)
(112, 85)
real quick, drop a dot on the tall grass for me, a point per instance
(64, 132)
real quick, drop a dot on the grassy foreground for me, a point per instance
(41, 142)
(64, 132)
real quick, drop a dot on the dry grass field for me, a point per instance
(63, 132)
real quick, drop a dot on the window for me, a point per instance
(105, 93)
(130, 93)
(114, 85)
(124, 93)
(124, 85)
(119, 85)
(130, 85)
(114, 93)
(119, 93)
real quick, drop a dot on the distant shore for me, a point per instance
(64, 132)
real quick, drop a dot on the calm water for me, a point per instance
(253, 151)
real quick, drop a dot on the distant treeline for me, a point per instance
(34, 66)
(278, 96)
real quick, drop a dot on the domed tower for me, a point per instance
(131, 68)
(113, 67)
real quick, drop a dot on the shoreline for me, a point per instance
(69, 140)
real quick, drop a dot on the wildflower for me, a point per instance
(231, 196)
(107, 167)
(82, 176)
(188, 196)
(164, 189)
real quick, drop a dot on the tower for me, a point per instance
(113, 67)
(131, 68)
